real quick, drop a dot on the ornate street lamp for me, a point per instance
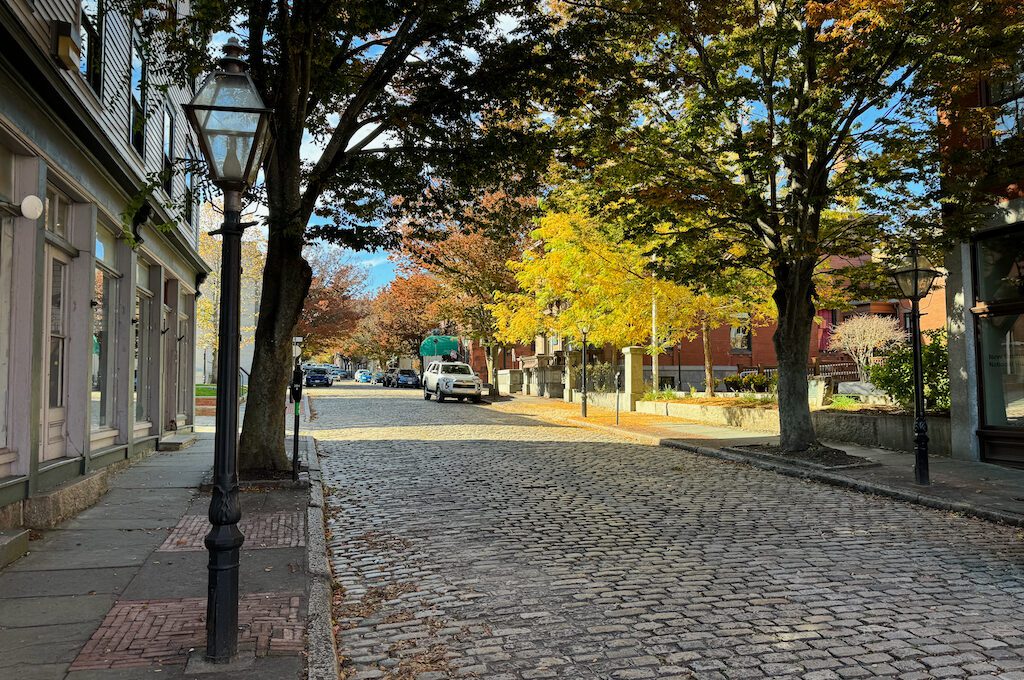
(914, 277)
(231, 122)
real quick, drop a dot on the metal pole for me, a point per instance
(920, 424)
(297, 399)
(224, 540)
(616, 397)
(583, 401)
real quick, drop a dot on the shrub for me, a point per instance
(895, 375)
(759, 382)
(600, 377)
(659, 395)
(734, 382)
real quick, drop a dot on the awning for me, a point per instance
(437, 345)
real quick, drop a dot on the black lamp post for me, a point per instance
(584, 329)
(914, 277)
(230, 120)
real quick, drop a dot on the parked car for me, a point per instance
(378, 377)
(406, 377)
(345, 375)
(389, 377)
(319, 377)
(444, 379)
(364, 376)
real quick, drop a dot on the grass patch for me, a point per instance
(844, 402)
(207, 390)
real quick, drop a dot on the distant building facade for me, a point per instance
(97, 307)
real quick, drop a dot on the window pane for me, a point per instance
(138, 97)
(1000, 265)
(138, 72)
(168, 137)
(185, 388)
(143, 305)
(101, 411)
(1002, 368)
(106, 248)
(56, 388)
(57, 209)
(57, 298)
(6, 173)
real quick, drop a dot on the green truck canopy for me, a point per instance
(437, 345)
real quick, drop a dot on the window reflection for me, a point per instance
(1002, 367)
(103, 311)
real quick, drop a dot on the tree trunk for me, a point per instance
(655, 369)
(709, 362)
(793, 297)
(213, 374)
(286, 281)
(492, 361)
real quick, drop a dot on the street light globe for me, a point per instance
(915, 275)
(231, 122)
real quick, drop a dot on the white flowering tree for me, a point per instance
(863, 336)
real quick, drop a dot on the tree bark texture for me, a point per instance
(793, 298)
(709, 359)
(286, 281)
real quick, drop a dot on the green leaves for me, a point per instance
(895, 375)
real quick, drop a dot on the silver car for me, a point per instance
(455, 379)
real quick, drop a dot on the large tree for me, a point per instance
(334, 303)
(771, 135)
(379, 107)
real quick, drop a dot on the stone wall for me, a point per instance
(888, 431)
(764, 420)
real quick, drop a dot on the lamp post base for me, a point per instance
(199, 664)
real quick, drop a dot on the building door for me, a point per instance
(55, 353)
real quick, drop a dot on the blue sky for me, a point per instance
(380, 270)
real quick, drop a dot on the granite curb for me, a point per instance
(831, 478)
(321, 650)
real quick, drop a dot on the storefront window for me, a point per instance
(5, 321)
(143, 328)
(1002, 369)
(104, 323)
(1000, 267)
(185, 387)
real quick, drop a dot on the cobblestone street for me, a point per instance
(471, 541)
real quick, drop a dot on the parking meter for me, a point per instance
(295, 390)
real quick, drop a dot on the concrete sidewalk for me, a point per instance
(987, 491)
(120, 590)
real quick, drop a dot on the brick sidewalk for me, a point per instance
(120, 590)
